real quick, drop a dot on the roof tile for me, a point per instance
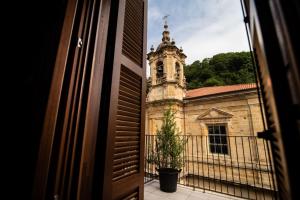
(218, 90)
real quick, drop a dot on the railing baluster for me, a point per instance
(213, 159)
(193, 162)
(219, 163)
(245, 168)
(231, 164)
(207, 161)
(260, 169)
(203, 185)
(198, 175)
(226, 181)
(252, 169)
(267, 164)
(188, 160)
(238, 163)
(185, 179)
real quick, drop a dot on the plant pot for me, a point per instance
(168, 179)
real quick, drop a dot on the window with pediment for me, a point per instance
(216, 122)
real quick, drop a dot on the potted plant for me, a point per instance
(167, 153)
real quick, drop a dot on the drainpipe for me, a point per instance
(250, 119)
(184, 131)
(255, 153)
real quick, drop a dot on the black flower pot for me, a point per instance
(168, 179)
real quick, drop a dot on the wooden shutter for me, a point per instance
(67, 147)
(123, 171)
(274, 71)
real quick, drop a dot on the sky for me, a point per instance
(202, 28)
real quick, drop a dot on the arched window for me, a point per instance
(177, 69)
(159, 69)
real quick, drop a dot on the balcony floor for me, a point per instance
(152, 192)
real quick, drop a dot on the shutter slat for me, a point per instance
(128, 109)
(119, 174)
(127, 123)
(126, 174)
(129, 91)
(129, 133)
(125, 164)
(126, 159)
(126, 128)
(127, 138)
(126, 155)
(126, 75)
(128, 143)
(132, 46)
(128, 85)
(129, 95)
(118, 150)
(128, 118)
(125, 113)
(132, 196)
(130, 80)
(135, 108)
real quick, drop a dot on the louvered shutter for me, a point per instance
(67, 147)
(123, 173)
(272, 135)
(283, 129)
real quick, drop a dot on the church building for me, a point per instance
(217, 122)
(231, 110)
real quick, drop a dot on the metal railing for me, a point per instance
(237, 165)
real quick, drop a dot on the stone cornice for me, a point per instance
(221, 114)
(167, 47)
(164, 102)
(172, 82)
(220, 96)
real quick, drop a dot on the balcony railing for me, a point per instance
(235, 165)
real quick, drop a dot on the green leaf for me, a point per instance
(169, 145)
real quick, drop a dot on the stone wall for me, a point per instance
(247, 161)
(244, 107)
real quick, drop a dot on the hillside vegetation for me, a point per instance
(221, 69)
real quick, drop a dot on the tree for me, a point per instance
(221, 69)
(169, 145)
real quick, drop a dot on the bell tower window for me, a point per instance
(160, 69)
(177, 69)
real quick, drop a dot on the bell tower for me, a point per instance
(166, 81)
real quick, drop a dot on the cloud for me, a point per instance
(202, 27)
(155, 13)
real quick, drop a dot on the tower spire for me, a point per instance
(166, 33)
(165, 18)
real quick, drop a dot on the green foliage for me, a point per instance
(221, 69)
(213, 81)
(169, 146)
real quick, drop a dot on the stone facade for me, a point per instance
(238, 109)
(234, 109)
